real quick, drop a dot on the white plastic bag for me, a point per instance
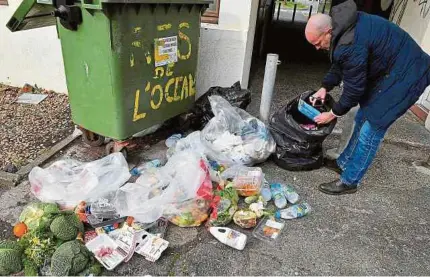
(67, 182)
(172, 191)
(191, 142)
(235, 137)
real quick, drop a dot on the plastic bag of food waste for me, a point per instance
(235, 137)
(68, 182)
(299, 147)
(202, 110)
(224, 205)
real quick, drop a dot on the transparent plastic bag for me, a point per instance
(67, 182)
(190, 142)
(181, 191)
(235, 137)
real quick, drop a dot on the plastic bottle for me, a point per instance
(295, 211)
(290, 193)
(229, 237)
(265, 191)
(145, 166)
(278, 196)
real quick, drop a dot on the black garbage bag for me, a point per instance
(202, 111)
(296, 147)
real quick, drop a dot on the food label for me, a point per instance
(151, 246)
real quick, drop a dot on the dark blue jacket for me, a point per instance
(383, 69)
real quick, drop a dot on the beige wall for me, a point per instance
(414, 22)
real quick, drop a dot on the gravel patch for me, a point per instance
(26, 130)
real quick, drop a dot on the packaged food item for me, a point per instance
(248, 181)
(126, 240)
(106, 251)
(269, 229)
(245, 219)
(151, 246)
(89, 235)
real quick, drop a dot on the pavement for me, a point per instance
(383, 229)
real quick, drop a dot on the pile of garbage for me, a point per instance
(298, 138)
(49, 243)
(91, 215)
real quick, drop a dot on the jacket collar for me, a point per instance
(344, 19)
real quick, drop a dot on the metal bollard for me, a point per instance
(272, 62)
(294, 13)
(279, 10)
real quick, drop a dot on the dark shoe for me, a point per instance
(332, 165)
(337, 188)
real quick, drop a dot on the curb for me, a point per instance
(12, 179)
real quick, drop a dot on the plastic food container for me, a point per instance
(248, 181)
(245, 219)
(269, 229)
(106, 251)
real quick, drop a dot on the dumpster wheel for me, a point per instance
(91, 138)
(115, 146)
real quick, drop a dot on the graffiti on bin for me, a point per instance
(166, 54)
(176, 89)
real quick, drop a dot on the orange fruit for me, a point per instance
(19, 229)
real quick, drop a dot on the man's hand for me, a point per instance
(324, 118)
(319, 95)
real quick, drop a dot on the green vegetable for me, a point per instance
(39, 215)
(30, 269)
(251, 199)
(11, 244)
(70, 259)
(38, 245)
(225, 207)
(10, 258)
(66, 227)
(95, 269)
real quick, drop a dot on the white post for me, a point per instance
(268, 86)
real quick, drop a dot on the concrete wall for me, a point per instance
(226, 49)
(414, 17)
(415, 20)
(34, 56)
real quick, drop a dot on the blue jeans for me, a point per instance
(361, 150)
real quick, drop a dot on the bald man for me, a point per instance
(384, 71)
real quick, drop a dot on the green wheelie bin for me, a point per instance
(129, 64)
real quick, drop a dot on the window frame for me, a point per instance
(210, 16)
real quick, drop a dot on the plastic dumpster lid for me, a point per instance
(32, 14)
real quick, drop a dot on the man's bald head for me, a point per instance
(319, 25)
